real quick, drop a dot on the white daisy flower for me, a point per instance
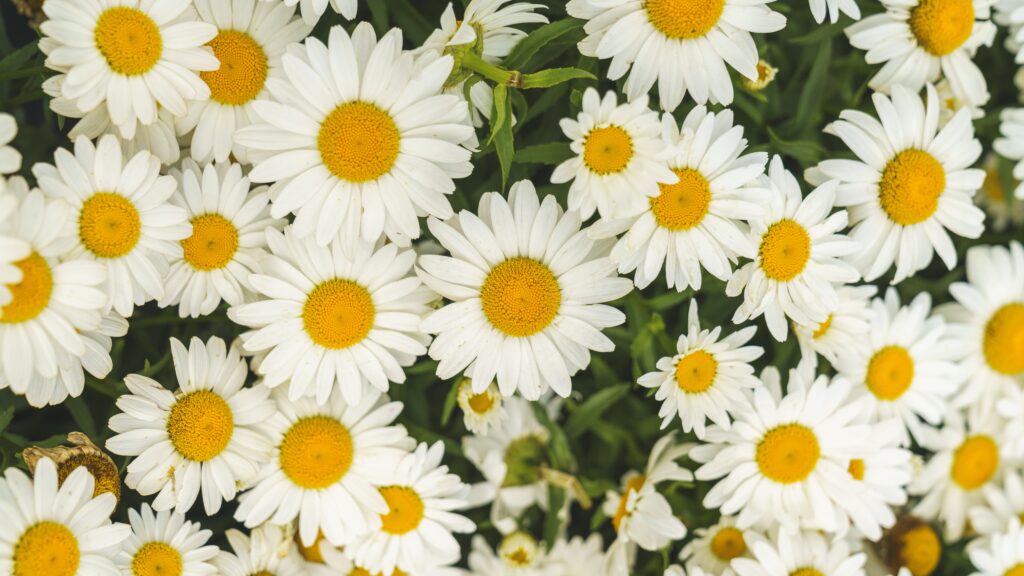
(251, 38)
(356, 128)
(706, 378)
(1004, 210)
(833, 9)
(528, 287)
(129, 56)
(166, 543)
(1002, 505)
(911, 547)
(266, 551)
(1003, 556)
(518, 554)
(329, 461)
(12, 248)
(1009, 13)
(10, 158)
(797, 263)
(480, 411)
(910, 184)
(334, 318)
(800, 554)
(577, 555)
(713, 548)
(312, 10)
(843, 330)
(659, 39)
(619, 161)
(63, 531)
(228, 241)
(697, 222)
(1011, 408)
(920, 41)
(1010, 144)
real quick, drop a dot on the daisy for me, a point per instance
(82, 453)
(912, 546)
(800, 554)
(577, 555)
(229, 223)
(843, 330)
(910, 184)
(518, 554)
(1008, 13)
(165, 543)
(204, 437)
(328, 462)
(920, 41)
(312, 10)
(1002, 505)
(698, 222)
(1011, 407)
(1010, 144)
(1004, 556)
(251, 38)
(129, 56)
(355, 128)
(618, 166)
(660, 39)
(63, 530)
(797, 263)
(334, 318)
(1004, 210)
(833, 8)
(706, 378)
(480, 411)
(266, 551)
(528, 287)
(10, 158)
(713, 548)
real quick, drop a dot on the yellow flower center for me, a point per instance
(890, 373)
(481, 403)
(129, 40)
(200, 425)
(807, 571)
(682, 205)
(696, 371)
(518, 550)
(823, 327)
(607, 150)
(920, 550)
(213, 242)
(359, 142)
(1004, 340)
(523, 458)
(405, 510)
(46, 548)
(634, 484)
(856, 469)
(243, 68)
(942, 26)
(521, 296)
(109, 224)
(993, 186)
(684, 19)
(788, 453)
(264, 573)
(316, 452)
(157, 559)
(338, 313)
(102, 468)
(728, 543)
(785, 250)
(975, 462)
(30, 296)
(312, 552)
(911, 185)
(1016, 570)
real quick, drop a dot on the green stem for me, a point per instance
(22, 73)
(471, 61)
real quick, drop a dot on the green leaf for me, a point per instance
(814, 88)
(820, 34)
(554, 77)
(587, 414)
(82, 416)
(549, 154)
(806, 152)
(500, 114)
(19, 57)
(504, 140)
(449, 402)
(5, 418)
(552, 520)
(527, 47)
(558, 445)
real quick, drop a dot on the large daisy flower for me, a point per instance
(528, 287)
(911, 183)
(360, 140)
(166, 543)
(713, 548)
(10, 158)
(123, 217)
(266, 551)
(798, 554)
(1010, 144)
(797, 263)
(842, 331)
(697, 222)
(1004, 554)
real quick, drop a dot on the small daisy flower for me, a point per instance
(911, 183)
(266, 551)
(1010, 144)
(713, 548)
(166, 543)
(1004, 210)
(800, 554)
(618, 165)
(359, 140)
(1004, 554)
(706, 378)
(797, 263)
(699, 221)
(312, 10)
(328, 462)
(10, 158)
(518, 554)
(229, 223)
(1002, 505)
(843, 330)
(129, 56)
(659, 39)
(910, 548)
(480, 411)
(528, 287)
(833, 9)
(577, 555)
(920, 41)
(82, 453)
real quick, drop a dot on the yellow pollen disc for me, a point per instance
(243, 68)
(634, 484)
(359, 142)
(316, 452)
(785, 250)
(1016, 570)
(696, 372)
(521, 296)
(890, 373)
(728, 543)
(806, 572)
(46, 548)
(518, 549)
(993, 186)
(338, 313)
(684, 19)
(682, 205)
(200, 425)
(213, 242)
(1004, 340)
(920, 550)
(607, 150)
(312, 552)
(911, 185)
(942, 26)
(975, 462)
(264, 573)
(856, 469)
(405, 510)
(788, 453)
(102, 468)
(32, 294)
(129, 40)
(157, 559)
(823, 327)
(109, 225)
(481, 403)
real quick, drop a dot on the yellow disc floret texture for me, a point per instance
(1004, 340)
(920, 550)
(157, 559)
(316, 452)
(46, 548)
(481, 403)
(682, 205)
(890, 372)
(785, 250)
(243, 68)
(102, 468)
(213, 242)
(30, 296)
(200, 425)
(521, 297)
(911, 185)
(338, 313)
(807, 571)
(728, 543)
(942, 26)
(696, 372)
(607, 150)
(405, 510)
(109, 225)
(788, 453)
(359, 142)
(129, 40)
(684, 19)
(975, 462)
(1016, 570)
